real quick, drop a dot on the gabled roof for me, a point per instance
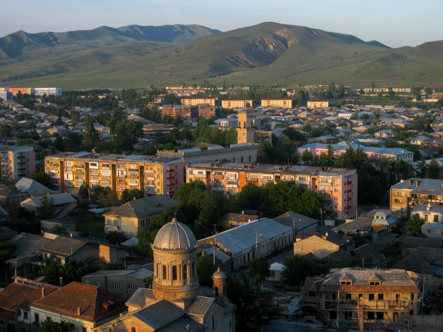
(63, 246)
(59, 199)
(297, 220)
(143, 207)
(91, 300)
(31, 186)
(23, 292)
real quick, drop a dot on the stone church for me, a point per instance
(174, 303)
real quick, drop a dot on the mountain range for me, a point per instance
(267, 54)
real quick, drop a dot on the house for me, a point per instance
(135, 215)
(88, 306)
(323, 244)
(235, 219)
(15, 301)
(369, 251)
(32, 187)
(433, 217)
(64, 203)
(10, 199)
(301, 224)
(372, 297)
(123, 282)
(276, 269)
(419, 140)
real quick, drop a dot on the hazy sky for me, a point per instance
(391, 22)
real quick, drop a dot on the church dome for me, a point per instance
(174, 236)
(218, 274)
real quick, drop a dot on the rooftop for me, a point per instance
(143, 207)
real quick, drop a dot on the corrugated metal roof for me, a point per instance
(59, 199)
(159, 314)
(298, 220)
(200, 306)
(139, 297)
(243, 237)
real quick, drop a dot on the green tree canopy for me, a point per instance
(414, 224)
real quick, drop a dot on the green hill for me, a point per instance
(266, 54)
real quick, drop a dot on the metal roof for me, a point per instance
(244, 237)
(144, 207)
(159, 314)
(200, 306)
(174, 236)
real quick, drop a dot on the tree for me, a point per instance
(249, 298)
(48, 325)
(205, 270)
(433, 169)
(306, 156)
(42, 178)
(90, 136)
(116, 237)
(414, 225)
(250, 196)
(132, 194)
(298, 268)
(260, 269)
(47, 208)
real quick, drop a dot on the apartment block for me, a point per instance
(277, 102)
(236, 103)
(336, 186)
(16, 162)
(206, 111)
(194, 101)
(405, 195)
(151, 175)
(317, 104)
(395, 153)
(181, 111)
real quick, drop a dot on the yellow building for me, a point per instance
(236, 103)
(151, 175)
(316, 104)
(194, 101)
(277, 102)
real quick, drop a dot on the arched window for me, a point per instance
(164, 271)
(185, 272)
(174, 272)
(133, 329)
(216, 291)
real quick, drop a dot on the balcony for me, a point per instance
(169, 170)
(348, 199)
(348, 183)
(150, 178)
(347, 208)
(170, 185)
(252, 179)
(170, 177)
(170, 192)
(348, 191)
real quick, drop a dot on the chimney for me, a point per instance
(61, 282)
(410, 182)
(79, 311)
(417, 182)
(43, 292)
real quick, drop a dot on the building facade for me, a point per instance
(433, 217)
(236, 103)
(151, 175)
(363, 297)
(277, 102)
(206, 111)
(317, 104)
(336, 186)
(16, 162)
(405, 195)
(194, 101)
(395, 153)
(180, 111)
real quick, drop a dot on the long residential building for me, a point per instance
(405, 195)
(151, 175)
(336, 186)
(236, 103)
(277, 102)
(396, 153)
(194, 101)
(180, 111)
(16, 162)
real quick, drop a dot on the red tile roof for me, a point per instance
(22, 293)
(91, 300)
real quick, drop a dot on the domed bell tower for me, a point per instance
(175, 262)
(219, 284)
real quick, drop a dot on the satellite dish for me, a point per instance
(20, 318)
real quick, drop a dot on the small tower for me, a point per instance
(245, 134)
(219, 284)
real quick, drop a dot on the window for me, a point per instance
(192, 270)
(371, 296)
(380, 296)
(116, 285)
(380, 315)
(132, 286)
(435, 217)
(185, 272)
(25, 314)
(36, 318)
(164, 272)
(98, 283)
(87, 282)
(133, 329)
(348, 297)
(371, 315)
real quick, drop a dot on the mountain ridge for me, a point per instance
(264, 54)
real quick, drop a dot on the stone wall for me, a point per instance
(435, 321)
